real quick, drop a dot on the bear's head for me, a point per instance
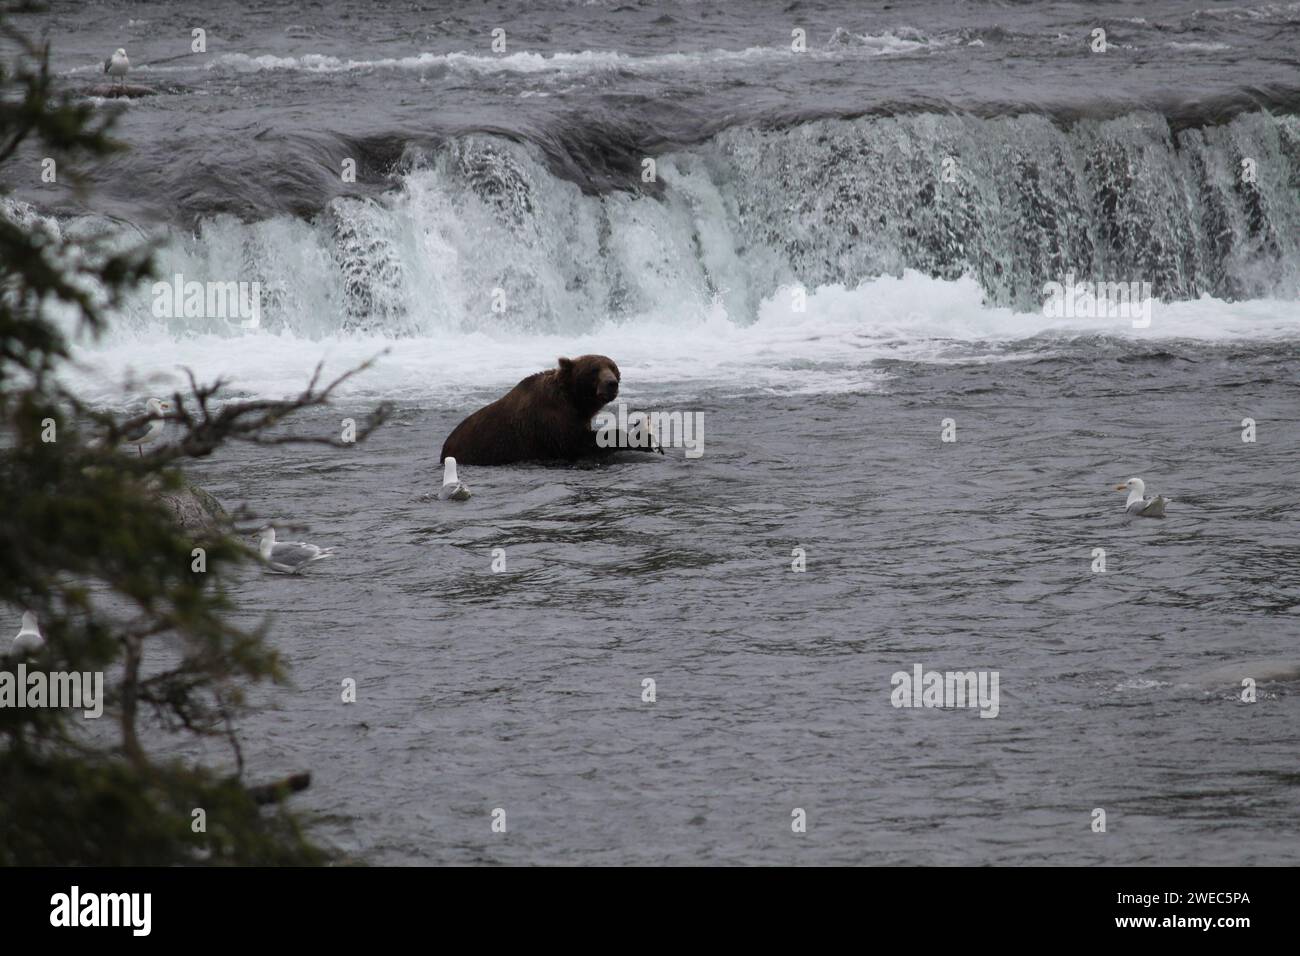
(591, 380)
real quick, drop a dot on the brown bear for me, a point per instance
(546, 417)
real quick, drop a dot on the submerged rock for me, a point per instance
(1264, 670)
(113, 91)
(195, 509)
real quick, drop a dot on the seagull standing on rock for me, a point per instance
(1138, 506)
(117, 66)
(451, 487)
(289, 557)
(148, 432)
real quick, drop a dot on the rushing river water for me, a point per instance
(839, 263)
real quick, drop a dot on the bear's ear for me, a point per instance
(566, 367)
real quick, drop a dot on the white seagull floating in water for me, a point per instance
(29, 639)
(147, 433)
(451, 486)
(289, 557)
(1140, 507)
(117, 65)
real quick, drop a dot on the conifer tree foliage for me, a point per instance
(89, 544)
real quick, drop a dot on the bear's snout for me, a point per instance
(607, 389)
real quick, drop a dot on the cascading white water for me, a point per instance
(485, 238)
(483, 264)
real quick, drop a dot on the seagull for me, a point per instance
(1140, 507)
(289, 557)
(451, 486)
(148, 432)
(29, 640)
(117, 65)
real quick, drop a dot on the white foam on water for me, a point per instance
(582, 61)
(1140, 683)
(1200, 47)
(827, 348)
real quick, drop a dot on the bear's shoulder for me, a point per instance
(541, 385)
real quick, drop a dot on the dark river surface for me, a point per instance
(833, 254)
(522, 689)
